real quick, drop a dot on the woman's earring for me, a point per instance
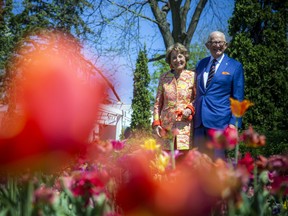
(171, 67)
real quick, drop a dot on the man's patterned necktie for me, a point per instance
(211, 72)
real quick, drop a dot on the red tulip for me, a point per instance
(253, 139)
(279, 183)
(118, 145)
(278, 163)
(248, 163)
(57, 111)
(224, 139)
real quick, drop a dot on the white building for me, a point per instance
(112, 121)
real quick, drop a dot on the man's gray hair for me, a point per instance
(216, 32)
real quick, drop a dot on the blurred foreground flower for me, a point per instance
(87, 184)
(150, 144)
(278, 163)
(44, 195)
(118, 145)
(247, 162)
(161, 162)
(252, 139)
(197, 160)
(224, 139)
(57, 108)
(196, 187)
(137, 189)
(239, 108)
(279, 183)
(181, 192)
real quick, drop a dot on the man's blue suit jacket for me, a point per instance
(212, 105)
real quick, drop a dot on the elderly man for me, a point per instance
(218, 78)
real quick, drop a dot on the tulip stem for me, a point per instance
(172, 154)
(237, 145)
(236, 153)
(255, 177)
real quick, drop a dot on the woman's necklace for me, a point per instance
(176, 75)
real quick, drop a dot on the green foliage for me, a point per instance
(258, 29)
(6, 37)
(31, 15)
(197, 52)
(141, 96)
(277, 143)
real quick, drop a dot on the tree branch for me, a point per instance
(194, 22)
(127, 8)
(176, 20)
(157, 58)
(184, 12)
(162, 23)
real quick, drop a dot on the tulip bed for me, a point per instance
(135, 177)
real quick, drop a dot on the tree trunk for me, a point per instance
(179, 13)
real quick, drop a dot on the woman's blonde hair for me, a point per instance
(179, 48)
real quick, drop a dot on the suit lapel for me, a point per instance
(202, 74)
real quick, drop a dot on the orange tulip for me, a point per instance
(239, 108)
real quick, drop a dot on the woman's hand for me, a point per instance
(157, 129)
(186, 113)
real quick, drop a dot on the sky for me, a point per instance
(123, 79)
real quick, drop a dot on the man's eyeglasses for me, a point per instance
(214, 43)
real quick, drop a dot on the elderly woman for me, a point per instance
(173, 108)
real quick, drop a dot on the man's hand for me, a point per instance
(232, 126)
